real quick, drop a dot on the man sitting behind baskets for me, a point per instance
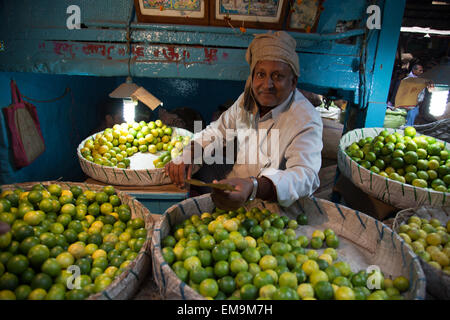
(279, 133)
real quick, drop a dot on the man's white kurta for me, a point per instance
(285, 145)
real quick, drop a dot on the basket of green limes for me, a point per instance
(401, 168)
(132, 153)
(427, 231)
(72, 241)
(314, 249)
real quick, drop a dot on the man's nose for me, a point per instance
(268, 82)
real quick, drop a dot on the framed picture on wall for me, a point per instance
(304, 15)
(172, 11)
(262, 14)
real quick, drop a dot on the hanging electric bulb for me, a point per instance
(129, 110)
(131, 92)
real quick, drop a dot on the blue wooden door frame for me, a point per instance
(382, 46)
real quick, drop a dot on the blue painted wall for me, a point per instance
(42, 43)
(163, 51)
(64, 123)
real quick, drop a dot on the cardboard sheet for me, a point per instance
(408, 91)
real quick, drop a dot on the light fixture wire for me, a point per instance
(129, 89)
(128, 36)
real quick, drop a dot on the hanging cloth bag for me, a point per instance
(27, 141)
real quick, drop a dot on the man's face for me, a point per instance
(418, 71)
(272, 82)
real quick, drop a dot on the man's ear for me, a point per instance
(294, 82)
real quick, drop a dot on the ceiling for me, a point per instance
(426, 13)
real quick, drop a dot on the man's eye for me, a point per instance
(277, 77)
(260, 75)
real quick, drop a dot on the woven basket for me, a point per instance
(127, 283)
(364, 241)
(150, 176)
(438, 283)
(397, 194)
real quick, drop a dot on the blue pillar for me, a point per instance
(383, 61)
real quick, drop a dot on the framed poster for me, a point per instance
(172, 11)
(262, 14)
(304, 15)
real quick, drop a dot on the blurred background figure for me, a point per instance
(182, 117)
(314, 98)
(221, 109)
(410, 94)
(401, 70)
(416, 72)
(143, 113)
(110, 112)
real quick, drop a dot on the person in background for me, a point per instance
(270, 106)
(315, 99)
(399, 73)
(221, 109)
(142, 112)
(182, 117)
(416, 72)
(110, 112)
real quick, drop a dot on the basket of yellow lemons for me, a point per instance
(132, 153)
(314, 249)
(427, 231)
(401, 168)
(72, 241)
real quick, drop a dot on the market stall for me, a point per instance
(123, 230)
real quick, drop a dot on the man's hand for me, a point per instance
(180, 168)
(178, 171)
(232, 200)
(4, 228)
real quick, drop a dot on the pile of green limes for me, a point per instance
(54, 231)
(115, 145)
(418, 160)
(429, 239)
(177, 143)
(256, 254)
